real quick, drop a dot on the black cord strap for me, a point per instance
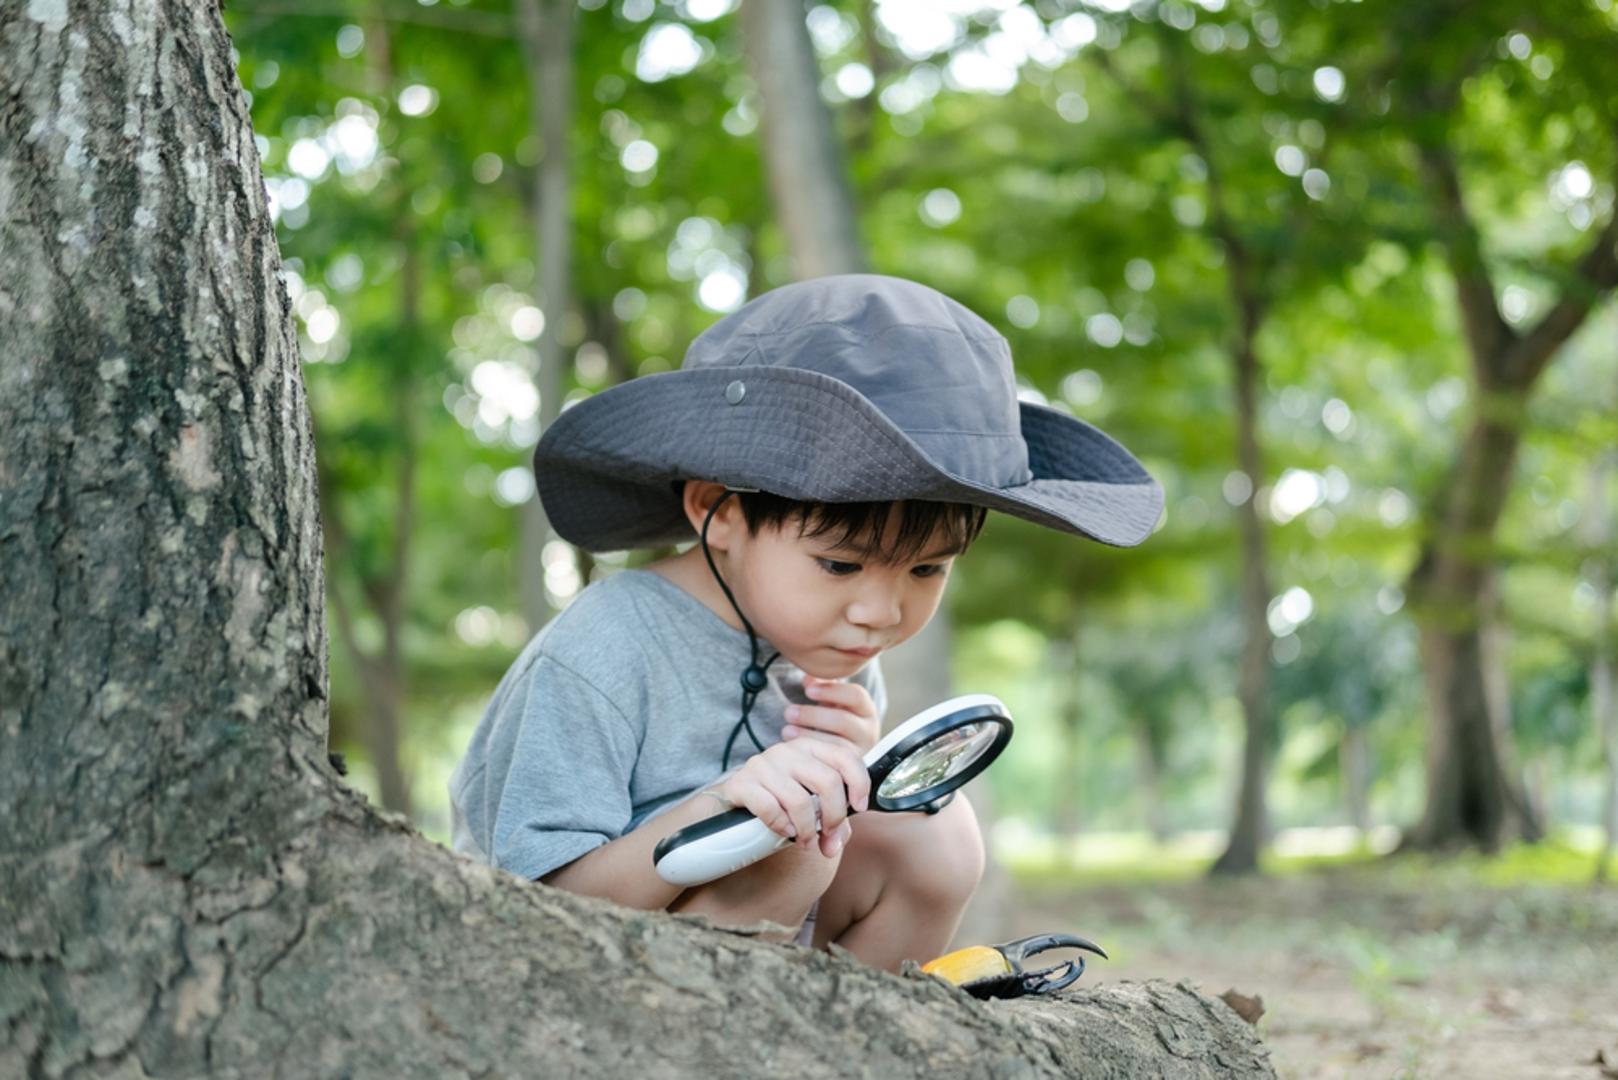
(755, 676)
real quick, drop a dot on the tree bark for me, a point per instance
(190, 889)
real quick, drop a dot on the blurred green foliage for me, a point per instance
(1054, 167)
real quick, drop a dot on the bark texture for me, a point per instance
(190, 890)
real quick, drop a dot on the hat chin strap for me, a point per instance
(754, 677)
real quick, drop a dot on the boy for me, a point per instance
(831, 446)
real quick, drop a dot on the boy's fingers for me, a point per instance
(824, 780)
(778, 792)
(831, 721)
(832, 842)
(859, 730)
(853, 776)
(846, 695)
(767, 808)
(795, 795)
(845, 758)
(811, 735)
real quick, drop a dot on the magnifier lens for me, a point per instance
(939, 759)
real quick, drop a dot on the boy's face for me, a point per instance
(828, 609)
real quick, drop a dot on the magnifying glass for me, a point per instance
(921, 760)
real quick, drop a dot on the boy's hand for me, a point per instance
(842, 711)
(778, 787)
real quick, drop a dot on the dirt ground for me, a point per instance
(1372, 973)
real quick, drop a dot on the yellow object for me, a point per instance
(970, 964)
(996, 971)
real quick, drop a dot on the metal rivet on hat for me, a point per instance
(735, 392)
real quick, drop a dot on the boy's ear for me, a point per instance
(698, 497)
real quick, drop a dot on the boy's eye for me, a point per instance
(844, 569)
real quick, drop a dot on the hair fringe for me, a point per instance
(861, 526)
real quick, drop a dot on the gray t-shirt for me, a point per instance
(616, 710)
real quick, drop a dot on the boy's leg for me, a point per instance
(779, 889)
(903, 885)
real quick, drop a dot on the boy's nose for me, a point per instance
(877, 610)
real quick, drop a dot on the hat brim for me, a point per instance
(606, 469)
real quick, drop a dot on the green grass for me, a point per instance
(1129, 859)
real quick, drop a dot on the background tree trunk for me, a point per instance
(805, 162)
(1597, 536)
(1356, 772)
(1149, 772)
(384, 672)
(1471, 797)
(1250, 828)
(190, 889)
(547, 29)
(1251, 825)
(1244, 284)
(1474, 794)
(1066, 663)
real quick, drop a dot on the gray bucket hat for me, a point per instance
(850, 388)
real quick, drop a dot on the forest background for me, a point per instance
(1340, 277)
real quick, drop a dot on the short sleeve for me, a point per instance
(566, 791)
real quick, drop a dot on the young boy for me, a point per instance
(832, 447)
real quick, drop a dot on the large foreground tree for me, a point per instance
(190, 888)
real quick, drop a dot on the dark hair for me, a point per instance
(859, 526)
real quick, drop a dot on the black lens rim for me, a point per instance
(960, 718)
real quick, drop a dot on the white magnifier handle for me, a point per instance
(718, 846)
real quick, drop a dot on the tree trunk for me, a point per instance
(1149, 769)
(1251, 825)
(1065, 665)
(1244, 284)
(547, 28)
(808, 179)
(1356, 770)
(190, 889)
(1470, 798)
(1597, 530)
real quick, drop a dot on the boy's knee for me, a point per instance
(779, 889)
(947, 868)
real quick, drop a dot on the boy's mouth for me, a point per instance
(863, 653)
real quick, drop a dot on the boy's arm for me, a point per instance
(778, 786)
(621, 870)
